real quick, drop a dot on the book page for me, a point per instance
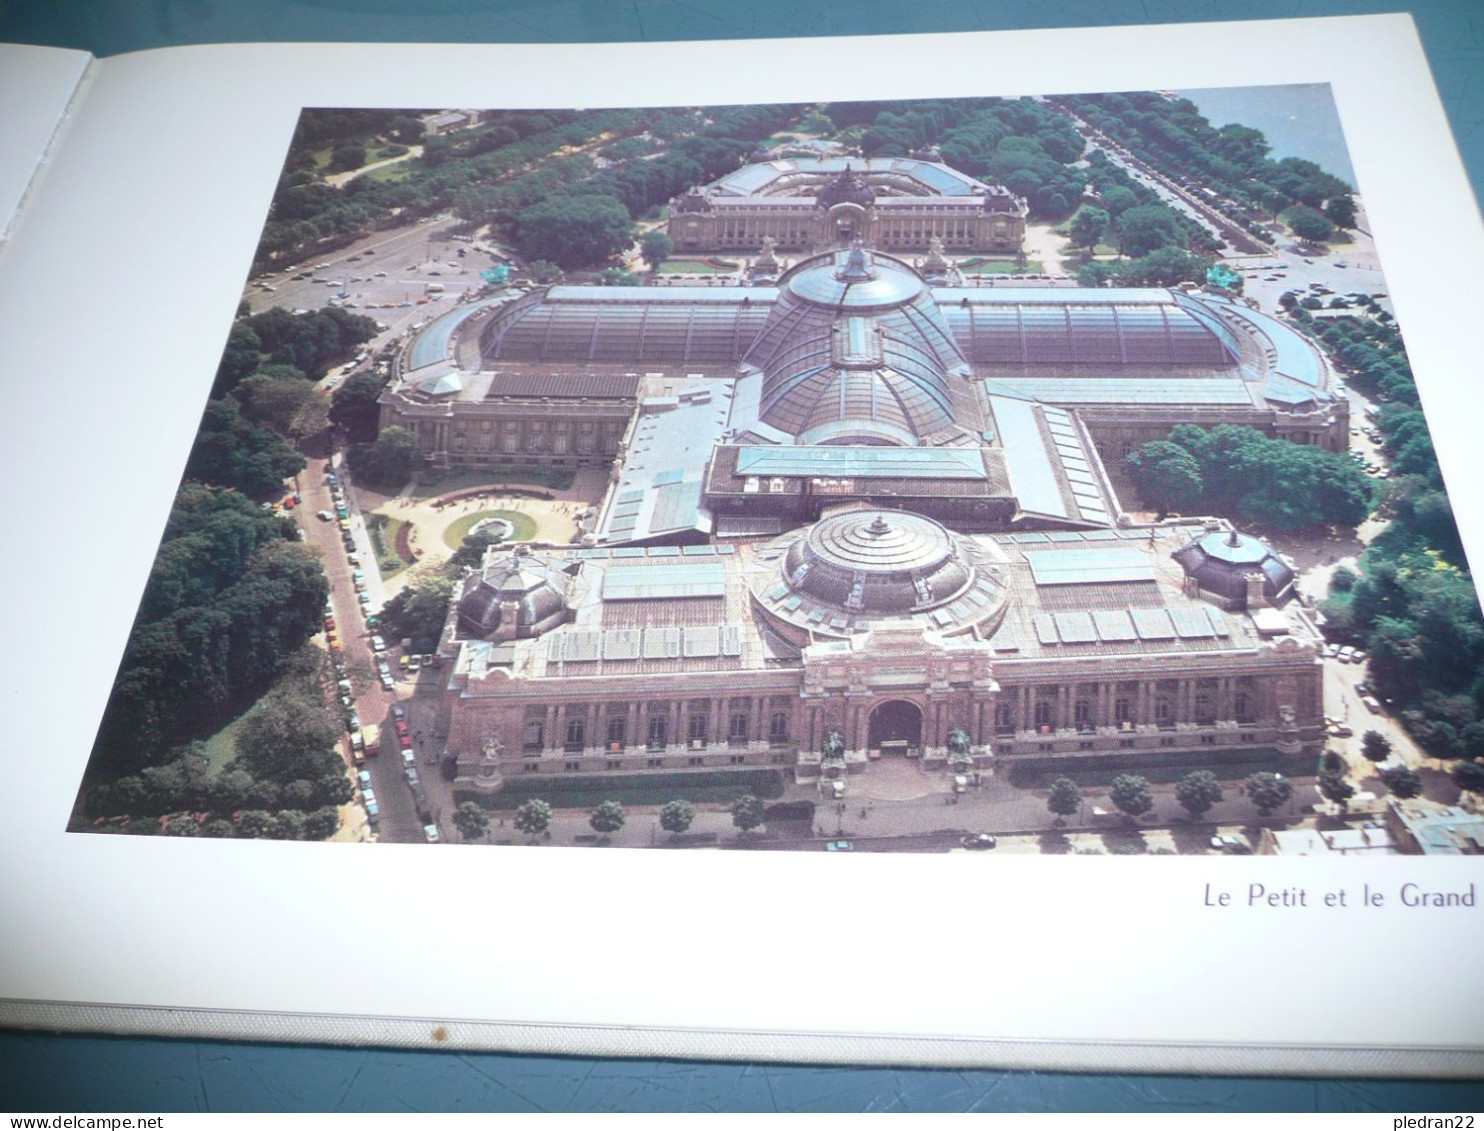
(116, 298)
(37, 84)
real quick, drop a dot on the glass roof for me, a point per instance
(1010, 330)
(893, 463)
(1090, 566)
(643, 582)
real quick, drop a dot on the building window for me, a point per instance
(1205, 714)
(535, 736)
(616, 729)
(576, 734)
(659, 732)
(1126, 743)
(778, 727)
(1162, 712)
(780, 759)
(1004, 718)
(1249, 738)
(1084, 746)
(1007, 748)
(738, 759)
(613, 764)
(695, 761)
(655, 763)
(1082, 714)
(1122, 710)
(1043, 713)
(1167, 742)
(1242, 707)
(1208, 740)
(1046, 747)
(533, 767)
(573, 766)
(697, 730)
(737, 728)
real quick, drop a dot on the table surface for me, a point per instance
(48, 1071)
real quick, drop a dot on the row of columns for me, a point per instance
(1143, 696)
(637, 715)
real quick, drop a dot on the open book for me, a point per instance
(790, 522)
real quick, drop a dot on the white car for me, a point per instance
(378, 645)
(431, 832)
(408, 757)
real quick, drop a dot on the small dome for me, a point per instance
(534, 587)
(848, 188)
(1222, 561)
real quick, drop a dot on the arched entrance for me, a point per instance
(895, 728)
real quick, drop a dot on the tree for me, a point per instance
(1375, 746)
(418, 611)
(1065, 798)
(1468, 776)
(389, 461)
(1309, 224)
(1147, 227)
(1340, 210)
(322, 823)
(345, 157)
(353, 405)
(655, 248)
(607, 818)
(533, 817)
(1403, 781)
(287, 737)
(280, 402)
(1130, 793)
(572, 230)
(471, 819)
(676, 816)
(470, 554)
(1267, 791)
(747, 813)
(1167, 476)
(1197, 791)
(1335, 788)
(1088, 226)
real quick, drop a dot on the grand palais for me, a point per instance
(858, 508)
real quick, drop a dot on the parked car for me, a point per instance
(324, 516)
(979, 841)
(399, 712)
(431, 832)
(408, 757)
(378, 644)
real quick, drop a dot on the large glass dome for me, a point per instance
(855, 351)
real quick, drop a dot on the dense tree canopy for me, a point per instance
(1167, 476)
(388, 461)
(1248, 477)
(228, 600)
(572, 230)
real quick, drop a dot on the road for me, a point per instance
(385, 277)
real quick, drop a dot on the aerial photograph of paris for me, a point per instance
(1037, 475)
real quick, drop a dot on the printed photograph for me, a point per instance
(1037, 475)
